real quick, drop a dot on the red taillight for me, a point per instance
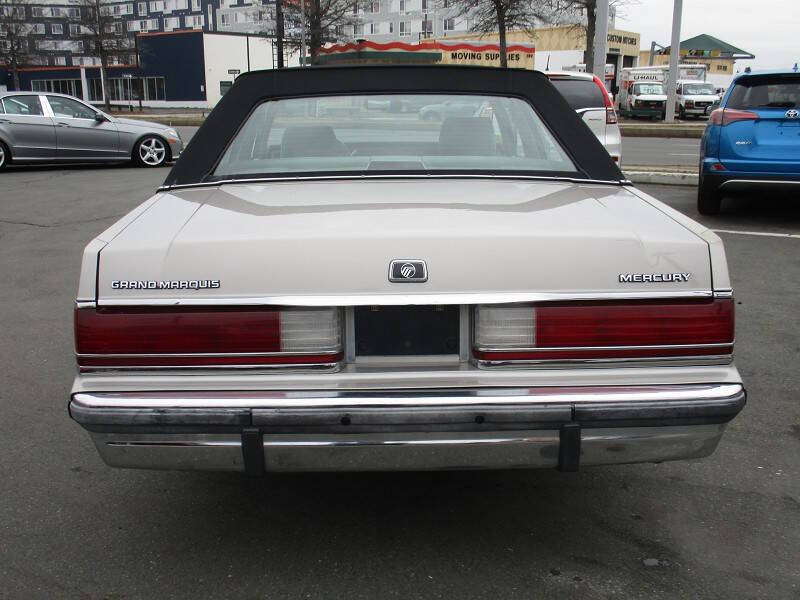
(726, 116)
(603, 330)
(194, 336)
(611, 114)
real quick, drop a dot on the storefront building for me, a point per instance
(187, 69)
(435, 52)
(719, 57)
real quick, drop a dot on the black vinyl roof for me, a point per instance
(209, 143)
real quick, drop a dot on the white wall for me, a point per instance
(223, 52)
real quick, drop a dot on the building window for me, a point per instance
(74, 13)
(371, 29)
(195, 21)
(427, 27)
(71, 87)
(196, 5)
(391, 26)
(405, 28)
(449, 24)
(61, 60)
(374, 7)
(57, 29)
(74, 29)
(157, 6)
(225, 20)
(123, 89)
(171, 23)
(425, 5)
(38, 28)
(403, 7)
(358, 29)
(142, 8)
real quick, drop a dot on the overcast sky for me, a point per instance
(770, 29)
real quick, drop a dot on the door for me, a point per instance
(764, 133)
(30, 133)
(79, 134)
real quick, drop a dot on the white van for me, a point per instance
(642, 93)
(695, 99)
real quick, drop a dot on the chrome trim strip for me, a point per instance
(656, 361)
(759, 182)
(211, 354)
(407, 299)
(293, 368)
(178, 443)
(407, 398)
(85, 304)
(284, 178)
(723, 293)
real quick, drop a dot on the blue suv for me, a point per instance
(752, 141)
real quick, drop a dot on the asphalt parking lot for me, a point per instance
(70, 527)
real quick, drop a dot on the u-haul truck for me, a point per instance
(642, 93)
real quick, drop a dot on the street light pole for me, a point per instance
(674, 57)
(600, 40)
(302, 33)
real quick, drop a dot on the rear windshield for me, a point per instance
(698, 89)
(399, 132)
(766, 91)
(641, 89)
(580, 93)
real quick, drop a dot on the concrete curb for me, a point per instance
(661, 131)
(169, 120)
(662, 177)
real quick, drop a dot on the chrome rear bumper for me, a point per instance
(412, 430)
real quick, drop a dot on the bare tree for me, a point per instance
(501, 16)
(324, 20)
(103, 36)
(574, 9)
(15, 50)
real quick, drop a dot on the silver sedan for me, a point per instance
(45, 128)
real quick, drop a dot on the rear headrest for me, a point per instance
(467, 136)
(311, 140)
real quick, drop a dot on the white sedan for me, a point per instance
(369, 291)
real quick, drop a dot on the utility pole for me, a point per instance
(600, 40)
(653, 46)
(139, 87)
(674, 57)
(279, 31)
(302, 33)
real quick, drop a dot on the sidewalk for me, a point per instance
(664, 175)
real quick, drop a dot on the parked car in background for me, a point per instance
(454, 107)
(587, 95)
(351, 293)
(752, 141)
(38, 128)
(695, 99)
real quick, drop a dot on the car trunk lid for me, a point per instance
(331, 242)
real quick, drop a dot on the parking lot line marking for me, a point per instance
(762, 233)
